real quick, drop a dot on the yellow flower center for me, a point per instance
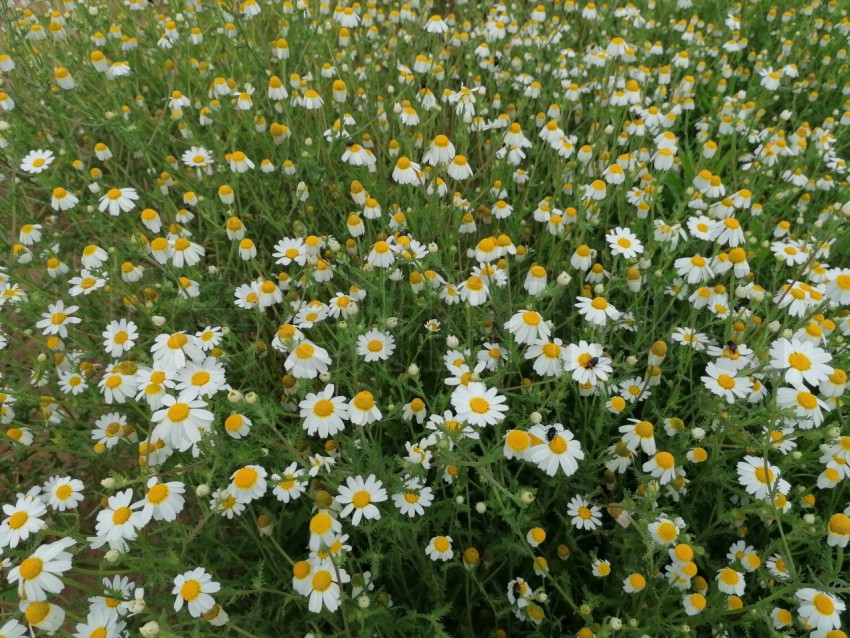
(177, 341)
(823, 604)
(323, 408)
(551, 350)
(725, 381)
(178, 412)
(531, 318)
(558, 444)
(304, 351)
(839, 524)
(322, 581)
(18, 520)
(799, 361)
(190, 590)
(158, 493)
(320, 523)
(807, 400)
(200, 378)
(364, 401)
(121, 515)
(361, 499)
(479, 405)
(667, 531)
(665, 460)
(36, 613)
(441, 544)
(764, 475)
(518, 440)
(645, 430)
(245, 478)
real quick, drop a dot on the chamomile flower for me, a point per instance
(725, 383)
(634, 583)
(119, 337)
(162, 501)
(358, 496)
(694, 604)
(193, 589)
(200, 380)
(288, 485)
(248, 483)
(38, 574)
(838, 530)
(118, 522)
(63, 493)
(171, 351)
(118, 200)
(819, 610)
(324, 414)
(759, 478)
(624, 242)
(661, 466)
(181, 422)
(440, 548)
(587, 363)
(807, 407)
(802, 361)
(324, 588)
(23, 519)
(597, 310)
(583, 515)
(640, 434)
(37, 161)
(57, 319)
(307, 360)
(527, 326)
(362, 409)
(413, 498)
(549, 357)
(197, 157)
(288, 251)
(558, 449)
(478, 405)
(375, 345)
